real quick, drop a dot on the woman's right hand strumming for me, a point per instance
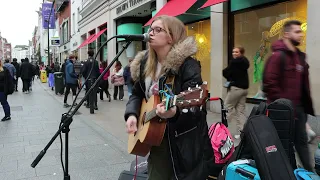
(131, 124)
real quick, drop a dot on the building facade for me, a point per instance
(255, 26)
(63, 10)
(21, 52)
(75, 33)
(217, 26)
(7, 51)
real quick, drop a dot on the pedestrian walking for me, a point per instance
(291, 83)
(118, 81)
(86, 68)
(71, 80)
(237, 84)
(127, 78)
(104, 83)
(17, 66)
(6, 88)
(27, 71)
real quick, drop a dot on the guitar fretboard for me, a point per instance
(150, 115)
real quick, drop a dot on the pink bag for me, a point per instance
(222, 142)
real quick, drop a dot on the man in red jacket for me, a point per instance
(291, 81)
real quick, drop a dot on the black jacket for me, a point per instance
(85, 69)
(27, 70)
(237, 72)
(8, 82)
(190, 148)
(17, 66)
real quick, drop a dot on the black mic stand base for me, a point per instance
(66, 120)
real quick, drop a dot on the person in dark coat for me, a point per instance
(291, 83)
(185, 152)
(127, 78)
(6, 88)
(17, 66)
(104, 83)
(85, 71)
(237, 75)
(71, 79)
(27, 71)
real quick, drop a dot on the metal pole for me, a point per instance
(48, 32)
(48, 45)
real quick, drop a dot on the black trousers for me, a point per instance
(16, 83)
(93, 94)
(73, 87)
(116, 90)
(104, 85)
(26, 84)
(301, 139)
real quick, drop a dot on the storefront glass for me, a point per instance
(257, 30)
(104, 52)
(130, 52)
(202, 32)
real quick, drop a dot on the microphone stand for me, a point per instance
(67, 118)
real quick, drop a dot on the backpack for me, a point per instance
(222, 142)
(282, 66)
(8, 82)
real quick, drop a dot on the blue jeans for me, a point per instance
(5, 104)
(129, 89)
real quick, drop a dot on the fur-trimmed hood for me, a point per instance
(175, 58)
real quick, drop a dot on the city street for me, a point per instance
(94, 153)
(97, 146)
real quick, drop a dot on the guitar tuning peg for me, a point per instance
(205, 82)
(197, 86)
(189, 89)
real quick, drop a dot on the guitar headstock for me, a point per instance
(196, 96)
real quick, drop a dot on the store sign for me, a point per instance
(128, 4)
(55, 42)
(237, 5)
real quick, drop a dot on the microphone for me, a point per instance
(135, 37)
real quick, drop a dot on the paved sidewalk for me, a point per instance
(94, 153)
(109, 120)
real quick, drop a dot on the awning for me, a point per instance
(86, 41)
(97, 35)
(173, 8)
(212, 2)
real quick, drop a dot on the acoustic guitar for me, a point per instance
(151, 128)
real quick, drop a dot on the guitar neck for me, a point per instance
(150, 115)
(168, 104)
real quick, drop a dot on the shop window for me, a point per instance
(104, 52)
(202, 33)
(65, 32)
(262, 28)
(130, 52)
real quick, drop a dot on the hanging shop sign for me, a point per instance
(128, 4)
(55, 41)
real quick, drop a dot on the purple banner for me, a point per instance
(46, 8)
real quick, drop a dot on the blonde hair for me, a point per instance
(1, 66)
(176, 30)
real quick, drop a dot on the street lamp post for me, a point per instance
(48, 21)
